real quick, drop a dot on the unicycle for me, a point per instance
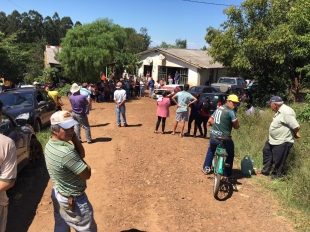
(219, 163)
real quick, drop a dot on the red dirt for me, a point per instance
(147, 182)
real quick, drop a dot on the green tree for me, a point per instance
(257, 42)
(65, 24)
(88, 48)
(178, 44)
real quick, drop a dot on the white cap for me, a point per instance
(63, 119)
(74, 88)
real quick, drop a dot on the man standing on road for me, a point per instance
(222, 122)
(69, 172)
(151, 85)
(86, 93)
(282, 131)
(80, 107)
(185, 99)
(119, 99)
(8, 171)
(176, 78)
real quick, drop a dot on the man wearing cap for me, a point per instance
(119, 99)
(222, 122)
(69, 172)
(8, 172)
(282, 131)
(80, 108)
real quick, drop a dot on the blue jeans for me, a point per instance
(81, 219)
(82, 120)
(176, 82)
(230, 149)
(141, 91)
(121, 110)
(151, 92)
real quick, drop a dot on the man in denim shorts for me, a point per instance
(185, 99)
(69, 172)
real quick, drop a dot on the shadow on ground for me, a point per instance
(133, 230)
(25, 197)
(101, 139)
(100, 125)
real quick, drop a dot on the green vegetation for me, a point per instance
(43, 136)
(63, 90)
(265, 40)
(293, 190)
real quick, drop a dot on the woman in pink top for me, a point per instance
(162, 111)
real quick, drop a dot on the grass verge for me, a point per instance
(293, 190)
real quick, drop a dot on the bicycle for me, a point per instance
(219, 163)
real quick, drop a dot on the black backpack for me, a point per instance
(206, 105)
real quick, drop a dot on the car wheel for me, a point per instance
(37, 126)
(36, 152)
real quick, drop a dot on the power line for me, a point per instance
(16, 5)
(209, 3)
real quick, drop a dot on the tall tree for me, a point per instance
(13, 22)
(256, 41)
(146, 38)
(87, 49)
(65, 24)
(56, 32)
(3, 23)
(77, 23)
(48, 26)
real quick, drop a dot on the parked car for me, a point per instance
(225, 83)
(216, 99)
(171, 91)
(202, 89)
(32, 105)
(28, 148)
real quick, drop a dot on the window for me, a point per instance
(6, 123)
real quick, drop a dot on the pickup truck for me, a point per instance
(225, 83)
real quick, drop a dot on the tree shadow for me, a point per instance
(134, 125)
(99, 125)
(101, 139)
(25, 197)
(133, 230)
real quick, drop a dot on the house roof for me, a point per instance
(51, 52)
(197, 58)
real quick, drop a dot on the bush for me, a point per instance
(63, 90)
(304, 114)
(293, 190)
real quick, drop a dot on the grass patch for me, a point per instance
(43, 136)
(293, 190)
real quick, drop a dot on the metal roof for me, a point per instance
(197, 58)
(51, 52)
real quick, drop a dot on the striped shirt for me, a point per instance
(64, 166)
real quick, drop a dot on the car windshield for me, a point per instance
(16, 100)
(196, 89)
(227, 80)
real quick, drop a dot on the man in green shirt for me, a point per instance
(69, 173)
(282, 131)
(222, 122)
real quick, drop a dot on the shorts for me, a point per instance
(181, 116)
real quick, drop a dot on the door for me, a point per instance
(51, 105)
(42, 108)
(11, 130)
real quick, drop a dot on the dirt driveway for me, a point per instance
(143, 181)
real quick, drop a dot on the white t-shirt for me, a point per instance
(119, 95)
(8, 165)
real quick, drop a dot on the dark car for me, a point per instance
(28, 148)
(32, 105)
(216, 99)
(202, 89)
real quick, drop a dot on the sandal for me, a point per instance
(172, 133)
(155, 132)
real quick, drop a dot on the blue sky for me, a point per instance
(166, 20)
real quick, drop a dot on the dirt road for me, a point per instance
(143, 181)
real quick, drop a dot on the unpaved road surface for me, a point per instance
(143, 181)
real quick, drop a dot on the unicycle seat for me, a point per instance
(223, 138)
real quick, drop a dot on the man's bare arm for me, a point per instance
(78, 146)
(6, 185)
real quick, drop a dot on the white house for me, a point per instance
(194, 66)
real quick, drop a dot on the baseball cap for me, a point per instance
(274, 99)
(233, 98)
(63, 119)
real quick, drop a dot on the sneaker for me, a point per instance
(91, 141)
(119, 125)
(206, 170)
(125, 125)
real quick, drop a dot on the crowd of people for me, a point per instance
(64, 152)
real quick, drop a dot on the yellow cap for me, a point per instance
(233, 98)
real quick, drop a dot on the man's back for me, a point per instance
(183, 98)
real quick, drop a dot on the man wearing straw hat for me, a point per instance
(80, 108)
